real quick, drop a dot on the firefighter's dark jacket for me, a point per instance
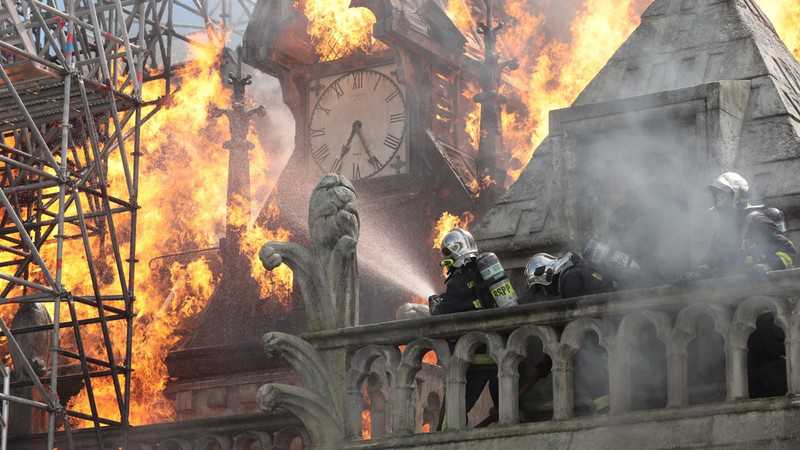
(465, 290)
(582, 279)
(577, 278)
(764, 243)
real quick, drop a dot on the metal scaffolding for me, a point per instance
(71, 77)
(224, 15)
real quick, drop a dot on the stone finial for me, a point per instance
(327, 274)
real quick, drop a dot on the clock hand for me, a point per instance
(353, 131)
(370, 157)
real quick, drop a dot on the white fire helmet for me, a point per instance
(540, 269)
(457, 246)
(730, 191)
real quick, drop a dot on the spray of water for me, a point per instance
(394, 265)
(380, 254)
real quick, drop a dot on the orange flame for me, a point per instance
(366, 424)
(785, 15)
(472, 125)
(446, 223)
(561, 70)
(182, 191)
(336, 29)
(554, 71)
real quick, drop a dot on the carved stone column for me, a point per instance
(736, 365)
(677, 376)
(563, 386)
(508, 394)
(403, 408)
(793, 361)
(455, 401)
(618, 392)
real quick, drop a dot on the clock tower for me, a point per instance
(374, 144)
(393, 119)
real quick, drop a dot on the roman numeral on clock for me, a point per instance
(337, 165)
(392, 96)
(317, 133)
(358, 80)
(392, 142)
(356, 171)
(338, 89)
(321, 153)
(397, 118)
(374, 162)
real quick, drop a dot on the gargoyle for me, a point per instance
(327, 274)
(313, 403)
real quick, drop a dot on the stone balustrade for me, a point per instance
(660, 349)
(250, 432)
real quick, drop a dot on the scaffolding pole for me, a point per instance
(71, 75)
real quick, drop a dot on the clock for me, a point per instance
(358, 125)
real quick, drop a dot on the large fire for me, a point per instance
(182, 191)
(336, 29)
(553, 69)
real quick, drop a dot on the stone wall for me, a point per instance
(685, 369)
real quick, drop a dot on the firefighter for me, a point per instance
(749, 236)
(765, 246)
(475, 281)
(731, 203)
(566, 276)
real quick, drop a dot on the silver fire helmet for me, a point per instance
(457, 246)
(776, 216)
(539, 269)
(730, 190)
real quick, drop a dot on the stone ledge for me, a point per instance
(757, 423)
(723, 291)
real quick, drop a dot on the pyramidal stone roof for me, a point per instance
(679, 44)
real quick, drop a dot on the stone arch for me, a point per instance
(359, 369)
(464, 351)
(575, 330)
(175, 444)
(508, 369)
(683, 335)
(641, 368)
(283, 438)
(245, 441)
(403, 414)
(213, 442)
(742, 327)
(572, 342)
(375, 392)
(744, 319)
(431, 412)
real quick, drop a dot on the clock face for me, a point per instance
(358, 125)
